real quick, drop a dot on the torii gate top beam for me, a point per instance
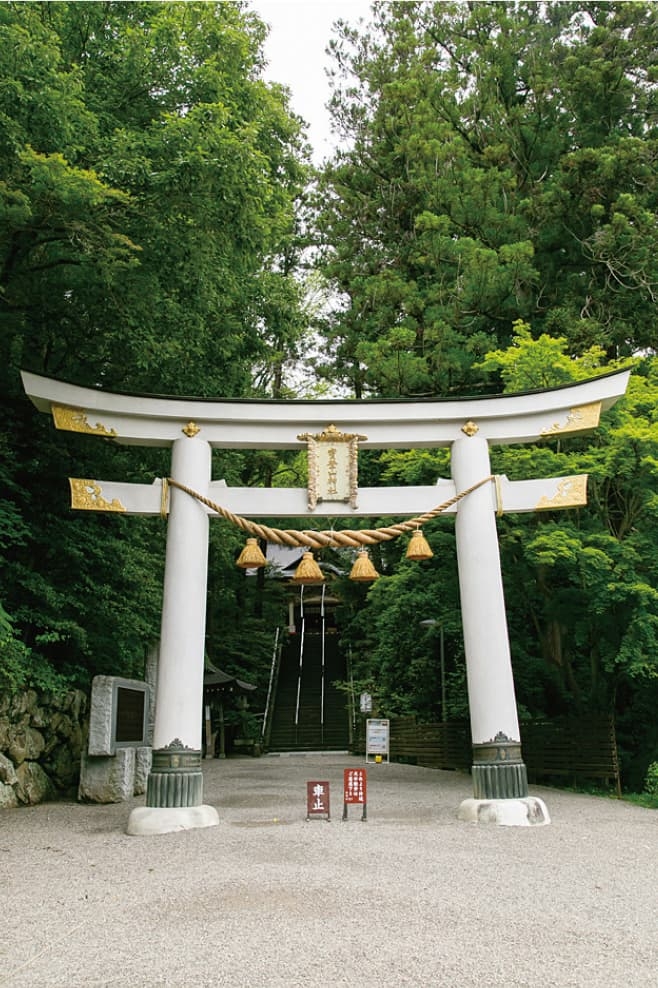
(394, 424)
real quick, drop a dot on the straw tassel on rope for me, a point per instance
(363, 570)
(308, 572)
(419, 547)
(251, 556)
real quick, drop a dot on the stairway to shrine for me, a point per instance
(313, 731)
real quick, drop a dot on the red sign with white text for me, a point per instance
(317, 799)
(354, 785)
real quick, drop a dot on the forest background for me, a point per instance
(488, 225)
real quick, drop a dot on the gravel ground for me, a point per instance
(411, 897)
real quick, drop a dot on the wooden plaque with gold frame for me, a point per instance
(332, 466)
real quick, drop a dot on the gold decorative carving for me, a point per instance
(470, 428)
(332, 466)
(75, 420)
(578, 419)
(571, 493)
(191, 430)
(87, 495)
(333, 435)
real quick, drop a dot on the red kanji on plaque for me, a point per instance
(317, 799)
(354, 789)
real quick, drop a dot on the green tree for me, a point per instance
(390, 649)
(148, 221)
(581, 585)
(590, 590)
(149, 180)
(499, 164)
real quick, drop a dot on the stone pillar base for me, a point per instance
(146, 821)
(528, 812)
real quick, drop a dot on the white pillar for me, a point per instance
(175, 785)
(182, 638)
(499, 775)
(488, 664)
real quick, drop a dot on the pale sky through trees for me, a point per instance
(295, 50)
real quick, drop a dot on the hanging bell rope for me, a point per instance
(333, 539)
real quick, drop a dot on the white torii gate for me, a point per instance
(193, 427)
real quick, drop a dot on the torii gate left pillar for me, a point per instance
(193, 427)
(174, 795)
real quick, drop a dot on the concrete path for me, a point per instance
(411, 897)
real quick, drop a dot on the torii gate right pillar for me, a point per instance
(500, 782)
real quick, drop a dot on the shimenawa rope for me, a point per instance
(319, 540)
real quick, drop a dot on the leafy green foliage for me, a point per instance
(392, 653)
(534, 364)
(580, 585)
(592, 573)
(499, 164)
(651, 782)
(20, 668)
(490, 223)
(149, 181)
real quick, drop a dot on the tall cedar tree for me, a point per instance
(499, 163)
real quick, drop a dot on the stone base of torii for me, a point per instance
(192, 428)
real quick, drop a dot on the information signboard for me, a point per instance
(377, 739)
(354, 789)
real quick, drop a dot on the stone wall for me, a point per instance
(41, 739)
